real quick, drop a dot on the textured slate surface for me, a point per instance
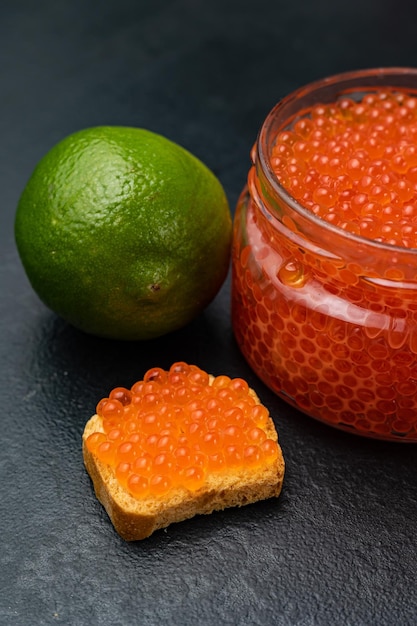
(339, 546)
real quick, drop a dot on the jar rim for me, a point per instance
(336, 85)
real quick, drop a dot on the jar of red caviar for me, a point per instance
(324, 279)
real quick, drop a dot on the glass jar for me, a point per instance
(326, 318)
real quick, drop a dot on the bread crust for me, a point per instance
(136, 519)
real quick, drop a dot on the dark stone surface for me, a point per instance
(339, 546)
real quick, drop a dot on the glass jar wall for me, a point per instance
(327, 318)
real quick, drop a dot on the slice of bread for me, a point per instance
(136, 519)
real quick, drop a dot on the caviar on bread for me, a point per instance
(177, 444)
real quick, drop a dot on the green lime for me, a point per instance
(124, 233)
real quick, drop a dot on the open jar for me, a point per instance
(326, 316)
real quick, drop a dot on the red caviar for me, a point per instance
(356, 165)
(324, 281)
(180, 438)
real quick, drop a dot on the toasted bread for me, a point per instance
(136, 519)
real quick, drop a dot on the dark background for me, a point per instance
(339, 546)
